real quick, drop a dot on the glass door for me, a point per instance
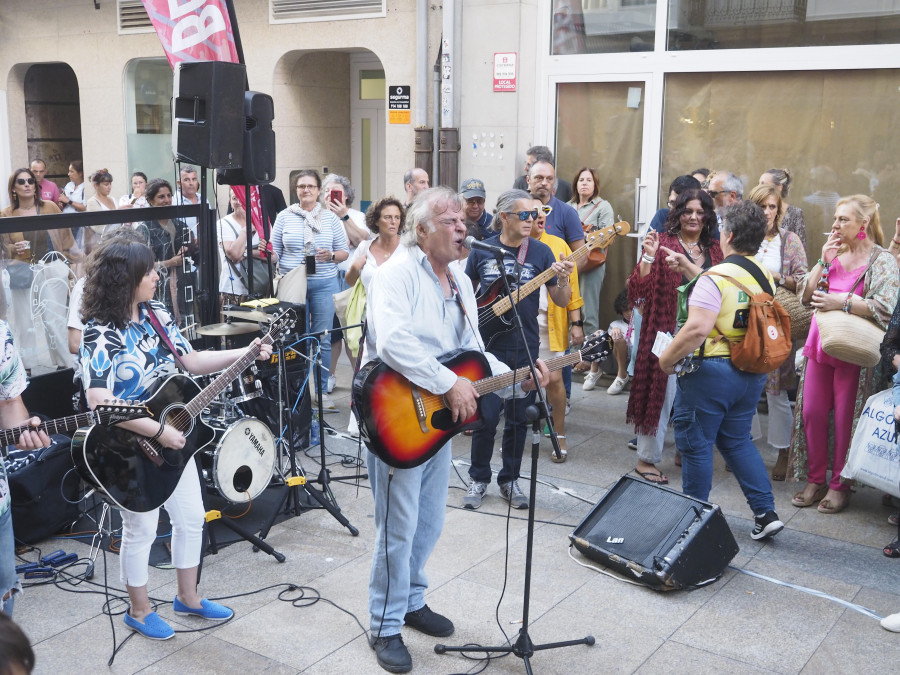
(601, 125)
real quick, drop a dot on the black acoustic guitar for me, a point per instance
(138, 474)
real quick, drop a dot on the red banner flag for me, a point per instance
(193, 30)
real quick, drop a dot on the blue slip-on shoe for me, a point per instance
(208, 610)
(152, 627)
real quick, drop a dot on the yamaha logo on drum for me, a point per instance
(260, 448)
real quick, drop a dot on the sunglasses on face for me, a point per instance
(524, 215)
(24, 181)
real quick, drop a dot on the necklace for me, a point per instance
(767, 241)
(689, 248)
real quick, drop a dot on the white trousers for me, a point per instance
(185, 509)
(781, 419)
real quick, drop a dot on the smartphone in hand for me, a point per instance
(335, 196)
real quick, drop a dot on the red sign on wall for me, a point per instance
(505, 71)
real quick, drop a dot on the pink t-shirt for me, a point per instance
(839, 281)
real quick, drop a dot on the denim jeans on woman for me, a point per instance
(715, 405)
(320, 305)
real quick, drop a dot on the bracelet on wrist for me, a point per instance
(579, 323)
(824, 264)
(559, 281)
(648, 259)
(162, 426)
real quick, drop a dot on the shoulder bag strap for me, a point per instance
(876, 251)
(742, 262)
(158, 328)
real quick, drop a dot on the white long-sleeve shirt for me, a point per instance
(411, 323)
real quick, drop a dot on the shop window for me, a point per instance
(838, 132)
(290, 11)
(747, 24)
(602, 26)
(148, 116)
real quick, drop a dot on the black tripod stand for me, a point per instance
(295, 482)
(523, 647)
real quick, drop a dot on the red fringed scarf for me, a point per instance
(659, 291)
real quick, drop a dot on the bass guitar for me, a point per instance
(494, 303)
(105, 413)
(405, 425)
(137, 473)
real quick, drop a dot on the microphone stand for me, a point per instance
(523, 647)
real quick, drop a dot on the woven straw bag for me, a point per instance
(850, 338)
(801, 316)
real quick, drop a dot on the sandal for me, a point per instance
(801, 501)
(653, 477)
(779, 471)
(562, 452)
(830, 506)
(892, 550)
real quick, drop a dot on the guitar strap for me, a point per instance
(462, 307)
(158, 328)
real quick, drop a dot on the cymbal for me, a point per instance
(243, 315)
(215, 329)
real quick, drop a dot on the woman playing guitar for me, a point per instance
(124, 356)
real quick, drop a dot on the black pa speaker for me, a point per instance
(208, 113)
(657, 536)
(259, 143)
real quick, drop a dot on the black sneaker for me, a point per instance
(767, 525)
(632, 444)
(391, 653)
(429, 622)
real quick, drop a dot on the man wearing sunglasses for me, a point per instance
(726, 189)
(526, 258)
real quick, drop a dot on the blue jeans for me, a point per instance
(8, 579)
(409, 511)
(716, 404)
(515, 430)
(320, 305)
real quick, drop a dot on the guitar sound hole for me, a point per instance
(243, 477)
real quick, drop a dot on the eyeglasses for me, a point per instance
(715, 193)
(24, 181)
(524, 215)
(307, 187)
(546, 210)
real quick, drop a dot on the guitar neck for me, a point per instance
(58, 426)
(491, 384)
(217, 386)
(504, 304)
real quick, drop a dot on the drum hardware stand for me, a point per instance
(258, 544)
(290, 501)
(324, 478)
(523, 647)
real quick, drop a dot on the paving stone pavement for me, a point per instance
(740, 624)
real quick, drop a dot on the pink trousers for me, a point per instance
(828, 388)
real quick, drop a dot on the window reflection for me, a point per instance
(602, 26)
(744, 24)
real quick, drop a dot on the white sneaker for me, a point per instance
(590, 380)
(891, 623)
(327, 403)
(329, 386)
(617, 386)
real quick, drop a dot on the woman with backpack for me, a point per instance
(715, 400)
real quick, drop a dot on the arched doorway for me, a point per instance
(52, 118)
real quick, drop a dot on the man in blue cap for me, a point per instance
(478, 220)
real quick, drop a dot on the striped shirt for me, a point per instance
(291, 233)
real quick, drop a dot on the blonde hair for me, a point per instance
(760, 193)
(866, 208)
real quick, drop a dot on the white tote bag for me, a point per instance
(874, 457)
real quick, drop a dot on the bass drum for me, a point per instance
(240, 466)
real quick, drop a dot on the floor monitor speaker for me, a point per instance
(657, 536)
(208, 113)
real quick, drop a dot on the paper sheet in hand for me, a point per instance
(662, 341)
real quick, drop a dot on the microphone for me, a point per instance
(472, 243)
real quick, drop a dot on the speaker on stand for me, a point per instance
(657, 536)
(258, 147)
(208, 113)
